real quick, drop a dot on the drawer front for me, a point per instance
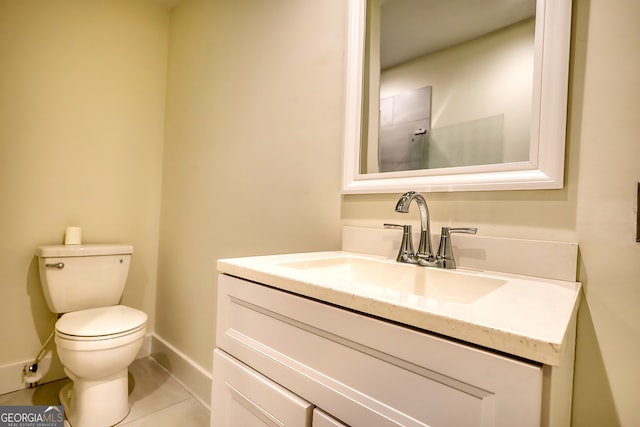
(242, 397)
(322, 419)
(366, 371)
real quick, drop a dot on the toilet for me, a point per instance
(97, 338)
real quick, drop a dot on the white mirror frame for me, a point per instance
(545, 170)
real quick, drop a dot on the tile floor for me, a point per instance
(156, 398)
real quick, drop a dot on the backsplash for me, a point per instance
(538, 258)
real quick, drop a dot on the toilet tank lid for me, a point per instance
(53, 251)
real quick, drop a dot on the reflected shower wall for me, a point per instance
(404, 120)
(407, 142)
(476, 142)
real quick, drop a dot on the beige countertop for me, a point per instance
(524, 316)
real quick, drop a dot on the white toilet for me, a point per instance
(97, 339)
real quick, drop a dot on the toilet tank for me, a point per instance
(78, 277)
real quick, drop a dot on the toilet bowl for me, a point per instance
(96, 346)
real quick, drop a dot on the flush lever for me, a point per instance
(58, 265)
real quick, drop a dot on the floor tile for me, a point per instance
(151, 388)
(186, 413)
(156, 398)
(44, 394)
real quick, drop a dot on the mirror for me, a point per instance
(500, 126)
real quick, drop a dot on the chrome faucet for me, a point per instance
(424, 256)
(425, 251)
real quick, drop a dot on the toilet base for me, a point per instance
(96, 403)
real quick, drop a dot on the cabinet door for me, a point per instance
(243, 397)
(322, 419)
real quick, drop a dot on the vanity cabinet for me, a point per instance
(284, 359)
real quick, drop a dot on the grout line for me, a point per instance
(182, 384)
(165, 408)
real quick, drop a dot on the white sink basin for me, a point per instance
(442, 285)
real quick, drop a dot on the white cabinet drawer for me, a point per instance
(366, 371)
(322, 419)
(243, 397)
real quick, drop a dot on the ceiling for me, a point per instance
(413, 28)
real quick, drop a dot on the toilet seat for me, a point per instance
(103, 323)
(64, 336)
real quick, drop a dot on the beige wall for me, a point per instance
(82, 89)
(252, 153)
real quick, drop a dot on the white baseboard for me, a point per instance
(145, 349)
(188, 373)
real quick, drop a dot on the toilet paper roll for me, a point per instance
(73, 236)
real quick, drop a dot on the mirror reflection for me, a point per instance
(447, 84)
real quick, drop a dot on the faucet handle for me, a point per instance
(445, 250)
(466, 230)
(405, 254)
(387, 225)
